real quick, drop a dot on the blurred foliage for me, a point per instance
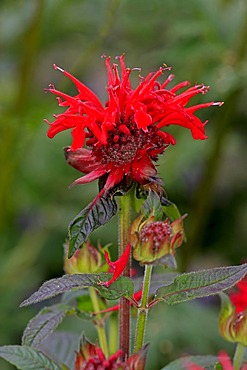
(204, 41)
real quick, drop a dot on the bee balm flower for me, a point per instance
(124, 138)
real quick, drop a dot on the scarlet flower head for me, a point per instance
(124, 137)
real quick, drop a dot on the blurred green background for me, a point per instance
(204, 41)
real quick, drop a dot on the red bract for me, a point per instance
(239, 298)
(124, 137)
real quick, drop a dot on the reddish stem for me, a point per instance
(124, 314)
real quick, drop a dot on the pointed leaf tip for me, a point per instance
(201, 283)
(123, 287)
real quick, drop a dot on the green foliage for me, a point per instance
(152, 206)
(208, 362)
(122, 287)
(96, 214)
(201, 284)
(204, 41)
(170, 209)
(27, 358)
(43, 324)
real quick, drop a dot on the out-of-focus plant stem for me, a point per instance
(238, 356)
(11, 130)
(99, 322)
(104, 31)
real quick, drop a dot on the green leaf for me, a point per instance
(152, 205)
(208, 362)
(201, 283)
(122, 287)
(170, 209)
(62, 347)
(44, 323)
(27, 358)
(96, 214)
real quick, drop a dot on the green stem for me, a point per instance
(143, 309)
(238, 356)
(99, 322)
(113, 338)
(124, 312)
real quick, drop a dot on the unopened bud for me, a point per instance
(87, 259)
(152, 240)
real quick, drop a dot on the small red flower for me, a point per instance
(124, 137)
(118, 266)
(239, 298)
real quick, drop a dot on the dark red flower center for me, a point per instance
(157, 232)
(126, 142)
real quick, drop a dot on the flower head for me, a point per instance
(124, 137)
(91, 357)
(155, 241)
(87, 259)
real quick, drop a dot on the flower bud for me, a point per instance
(232, 324)
(87, 259)
(155, 241)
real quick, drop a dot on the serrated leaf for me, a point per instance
(201, 283)
(208, 363)
(152, 205)
(122, 287)
(27, 358)
(43, 324)
(96, 214)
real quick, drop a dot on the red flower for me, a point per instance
(91, 357)
(118, 266)
(239, 298)
(124, 138)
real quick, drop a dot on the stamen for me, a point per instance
(219, 103)
(56, 67)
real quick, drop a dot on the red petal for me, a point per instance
(94, 175)
(85, 92)
(82, 160)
